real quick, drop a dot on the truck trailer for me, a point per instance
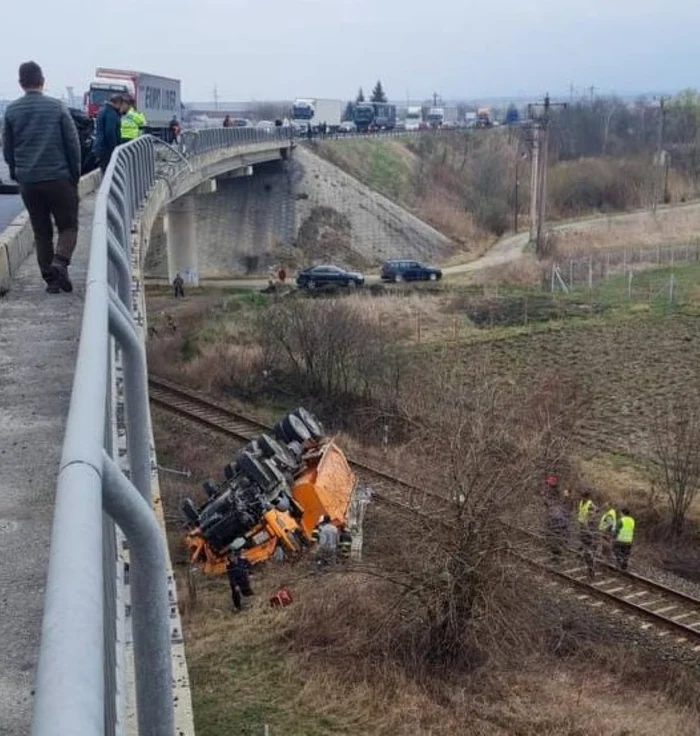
(317, 111)
(158, 98)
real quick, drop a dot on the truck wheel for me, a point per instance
(294, 429)
(312, 424)
(210, 488)
(190, 511)
(277, 452)
(256, 471)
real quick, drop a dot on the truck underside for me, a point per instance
(272, 496)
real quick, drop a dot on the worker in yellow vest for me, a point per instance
(607, 529)
(624, 536)
(585, 514)
(132, 122)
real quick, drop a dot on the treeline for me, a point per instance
(611, 127)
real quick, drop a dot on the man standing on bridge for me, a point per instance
(108, 130)
(42, 149)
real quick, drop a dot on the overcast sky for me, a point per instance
(281, 49)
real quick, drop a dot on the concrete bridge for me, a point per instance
(61, 560)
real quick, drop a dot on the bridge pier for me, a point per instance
(181, 239)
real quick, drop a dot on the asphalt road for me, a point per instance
(10, 204)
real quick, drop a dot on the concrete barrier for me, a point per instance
(17, 240)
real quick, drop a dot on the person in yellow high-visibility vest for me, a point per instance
(624, 536)
(132, 122)
(585, 513)
(607, 528)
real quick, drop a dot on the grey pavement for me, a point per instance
(38, 346)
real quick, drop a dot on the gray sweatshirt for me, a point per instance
(40, 141)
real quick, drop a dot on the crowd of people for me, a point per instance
(605, 530)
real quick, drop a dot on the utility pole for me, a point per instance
(659, 158)
(216, 98)
(540, 153)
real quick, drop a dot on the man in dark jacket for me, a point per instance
(42, 149)
(237, 570)
(108, 130)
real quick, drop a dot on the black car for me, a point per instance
(86, 134)
(320, 276)
(409, 271)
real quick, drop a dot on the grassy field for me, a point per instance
(268, 668)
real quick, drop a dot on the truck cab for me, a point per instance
(414, 117)
(101, 89)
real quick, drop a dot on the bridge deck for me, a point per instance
(38, 346)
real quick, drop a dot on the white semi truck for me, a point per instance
(158, 98)
(316, 111)
(414, 117)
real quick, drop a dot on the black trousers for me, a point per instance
(622, 554)
(240, 585)
(48, 202)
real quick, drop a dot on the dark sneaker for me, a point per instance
(61, 276)
(52, 287)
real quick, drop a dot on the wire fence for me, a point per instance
(658, 279)
(597, 266)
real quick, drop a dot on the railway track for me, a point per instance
(672, 611)
(194, 406)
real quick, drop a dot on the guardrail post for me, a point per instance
(149, 601)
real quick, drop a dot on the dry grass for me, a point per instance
(674, 226)
(248, 671)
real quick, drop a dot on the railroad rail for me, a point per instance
(671, 610)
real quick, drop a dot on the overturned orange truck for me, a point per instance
(272, 496)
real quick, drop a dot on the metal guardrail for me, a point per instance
(195, 142)
(79, 686)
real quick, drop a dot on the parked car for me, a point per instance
(347, 126)
(409, 271)
(319, 276)
(400, 125)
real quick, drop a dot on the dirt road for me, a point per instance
(506, 250)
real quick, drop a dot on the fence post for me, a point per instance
(590, 273)
(671, 284)
(658, 255)
(525, 309)
(552, 287)
(571, 273)
(629, 286)
(624, 259)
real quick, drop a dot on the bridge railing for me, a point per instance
(193, 142)
(104, 490)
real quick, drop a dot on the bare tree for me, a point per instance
(675, 465)
(458, 591)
